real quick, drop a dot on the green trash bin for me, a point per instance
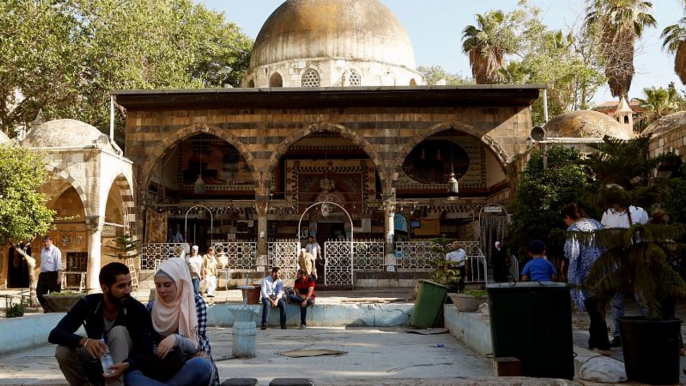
(429, 303)
(532, 321)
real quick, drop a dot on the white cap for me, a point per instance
(195, 247)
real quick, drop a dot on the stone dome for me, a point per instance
(666, 124)
(4, 138)
(585, 124)
(342, 29)
(66, 133)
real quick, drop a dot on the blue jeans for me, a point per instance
(196, 371)
(267, 306)
(295, 299)
(617, 304)
(196, 285)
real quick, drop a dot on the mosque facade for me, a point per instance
(331, 110)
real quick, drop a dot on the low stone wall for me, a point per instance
(26, 332)
(469, 328)
(330, 315)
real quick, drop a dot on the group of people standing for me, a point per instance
(202, 268)
(126, 342)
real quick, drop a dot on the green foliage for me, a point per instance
(125, 247)
(434, 74)
(444, 272)
(66, 56)
(541, 195)
(15, 310)
(66, 293)
(477, 293)
(635, 258)
(657, 103)
(23, 213)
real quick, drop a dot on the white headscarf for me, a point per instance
(178, 314)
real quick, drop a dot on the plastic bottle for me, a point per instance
(107, 360)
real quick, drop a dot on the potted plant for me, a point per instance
(444, 272)
(469, 300)
(635, 259)
(62, 301)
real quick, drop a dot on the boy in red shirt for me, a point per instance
(304, 295)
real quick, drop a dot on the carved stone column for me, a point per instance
(94, 228)
(261, 205)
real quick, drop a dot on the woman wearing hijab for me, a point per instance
(179, 319)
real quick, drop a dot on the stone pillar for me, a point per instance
(389, 225)
(94, 229)
(261, 206)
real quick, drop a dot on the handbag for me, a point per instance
(163, 369)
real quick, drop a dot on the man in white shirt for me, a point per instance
(458, 257)
(272, 296)
(315, 250)
(50, 277)
(620, 217)
(195, 266)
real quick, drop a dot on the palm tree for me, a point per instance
(675, 42)
(621, 23)
(487, 44)
(659, 102)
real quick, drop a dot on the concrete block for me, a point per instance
(469, 328)
(292, 382)
(240, 382)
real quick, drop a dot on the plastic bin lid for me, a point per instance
(433, 283)
(528, 284)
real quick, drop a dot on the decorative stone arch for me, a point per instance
(275, 80)
(343, 131)
(124, 187)
(424, 134)
(311, 77)
(187, 132)
(71, 182)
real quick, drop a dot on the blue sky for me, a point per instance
(435, 28)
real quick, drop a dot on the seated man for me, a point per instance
(113, 321)
(272, 296)
(304, 295)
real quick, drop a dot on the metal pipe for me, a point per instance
(545, 105)
(112, 118)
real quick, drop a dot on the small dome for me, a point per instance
(585, 124)
(666, 124)
(66, 133)
(363, 30)
(4, 138)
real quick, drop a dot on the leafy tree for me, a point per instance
(659, 102)
(636, 258)
(64, 57)
(541, 194)
(487, 43)
(674, 41)
(436, 74)
(622, 22)
(23, 213)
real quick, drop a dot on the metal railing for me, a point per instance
(368, 255)
(152, 254)
(241, 255)
(514, 268)
(284, 254)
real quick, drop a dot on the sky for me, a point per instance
(435, 29)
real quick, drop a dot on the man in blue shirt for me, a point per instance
(539, 268)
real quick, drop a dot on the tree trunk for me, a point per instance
(33, 298)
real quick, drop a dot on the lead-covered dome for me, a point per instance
(585, 124)
(66, 133)
(324, 43)
(666, 124)
(342, 29)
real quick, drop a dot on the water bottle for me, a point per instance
(106, 360)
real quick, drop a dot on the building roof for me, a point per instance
(66, 133)
(666, 124)
(332, 97)
(364, 30)
(584, 124)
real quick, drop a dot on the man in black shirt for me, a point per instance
(114, 316)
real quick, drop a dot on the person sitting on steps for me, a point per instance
(303, 296)
(272, 296)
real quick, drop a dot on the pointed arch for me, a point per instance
(181, 134)
(68, 182)
(343, 131)
(494, 146)
(123, 186)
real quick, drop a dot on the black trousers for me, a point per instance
(47, 281)
(598, 328)
(461, 280)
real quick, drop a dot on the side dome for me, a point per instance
(364, 30)
(666, 124)
(66, 133)
(4, 138)
(585, 124)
